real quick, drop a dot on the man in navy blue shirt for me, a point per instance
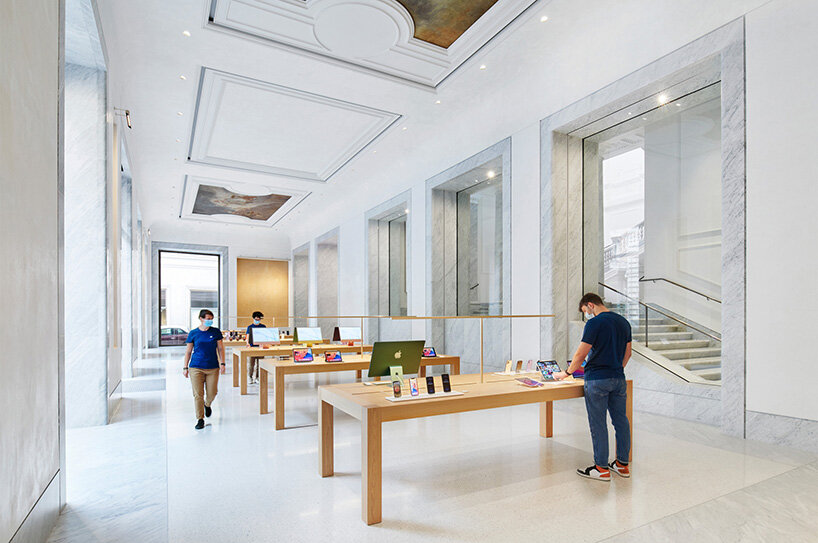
(606, 342)
(204, 362)
(252, 371)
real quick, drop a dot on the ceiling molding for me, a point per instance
(191, 189)
(282, 131)
(299, 23)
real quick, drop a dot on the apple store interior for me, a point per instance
(408, 271)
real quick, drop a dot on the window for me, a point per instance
(189, 282)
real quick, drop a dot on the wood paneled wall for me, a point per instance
(262, 285)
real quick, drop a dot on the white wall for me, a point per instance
(782, 192)
(29, 265)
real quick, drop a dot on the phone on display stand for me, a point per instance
(430, 385)
(447, 386)
(413, 386)
(396, 388)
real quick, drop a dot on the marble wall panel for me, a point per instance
(301, 284)
(327, 279)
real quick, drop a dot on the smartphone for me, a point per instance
(447, 386)
(508, 366)
(413, 386)
(430, 385)
(396, 389)
(519, 366)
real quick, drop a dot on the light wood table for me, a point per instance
(242, 356)
(357, 363)
(373, 409)
(243, 343)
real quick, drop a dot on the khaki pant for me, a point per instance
(201, 379)
(253, 367)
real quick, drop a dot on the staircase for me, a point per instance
(686, 352)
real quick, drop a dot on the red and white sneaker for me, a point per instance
(620, 469)
(596, 473)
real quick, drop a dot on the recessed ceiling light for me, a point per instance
(374, 152)
(490, 173)
(179, 113)
(186, 34)
(482, 66)
(630, 113)
(662, 99)
(405, 127)
(178, 140)
(406, 211)
(678, 104)
(644, 118)
(183, 77)
(543, 18)
(437, 102)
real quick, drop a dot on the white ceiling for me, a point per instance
(531, 69)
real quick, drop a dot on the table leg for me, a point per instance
(456, 366)
(326, 440)
(629, 413)
(263, 406)
(243, 374)
(371, 466)
(358, 374)
(422, 371)
(547, 419)
(235, 369)
(278, 391)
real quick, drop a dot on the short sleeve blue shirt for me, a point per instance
(205, 345)
(251, 327)
(608, 334)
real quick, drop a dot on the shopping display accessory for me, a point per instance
(430, 384)
(307, 334)
(447, 386)
(264, 336)
(548, 368)
(405, 354)
(346, 333)
(302, 355)
(429, 352)
(333, 356)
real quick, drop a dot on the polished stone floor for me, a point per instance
(484, 476)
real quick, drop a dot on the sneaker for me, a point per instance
(596, 473)
(620, 469)
(208, 411)
(200, 424)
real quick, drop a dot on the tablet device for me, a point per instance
(333, 356)
(429, 352)
(525, 381)
(548, 368)
(302, 355)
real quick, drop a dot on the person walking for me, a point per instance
(606, 342)
(204, 361)
(253, 369)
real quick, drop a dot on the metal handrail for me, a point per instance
(675, 284)
(671, 317)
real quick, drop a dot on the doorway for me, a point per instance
(188, 283)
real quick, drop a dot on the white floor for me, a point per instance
(484, 476)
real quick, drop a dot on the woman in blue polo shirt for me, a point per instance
(204, 361)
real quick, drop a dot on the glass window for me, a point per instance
(188, 283)
(480, 248)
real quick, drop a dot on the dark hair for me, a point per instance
(204, 313)
(590, 298)
(258, 315)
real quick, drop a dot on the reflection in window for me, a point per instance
(397, 266)
(480, 248)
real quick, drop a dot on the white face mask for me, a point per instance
(589, 316)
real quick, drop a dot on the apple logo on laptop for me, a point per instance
(397, 355)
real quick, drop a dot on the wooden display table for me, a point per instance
(357, 363)
(373, 409)
(241, 357)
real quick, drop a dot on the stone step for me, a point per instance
(711, 374)
(687, 354)
(659, 336)
(701, 363)
(677, 345)
(659, 328)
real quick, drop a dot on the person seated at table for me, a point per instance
(252, 370)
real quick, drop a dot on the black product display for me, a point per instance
(430, 384)
(396, 389)
(447, 386)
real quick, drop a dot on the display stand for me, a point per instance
(425, 396)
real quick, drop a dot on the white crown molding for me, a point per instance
(209, 104)
(191, 189)
(292, 23)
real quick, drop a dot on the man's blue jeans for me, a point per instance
(608, 395)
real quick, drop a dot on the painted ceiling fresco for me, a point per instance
(211, 200)
(441, 22)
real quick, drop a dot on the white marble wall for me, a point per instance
(301, 283)
(327, 279)
(126, 273)
(716, 56)
(86, 354)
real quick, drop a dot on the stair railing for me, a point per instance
(707, 333)
(643, 279)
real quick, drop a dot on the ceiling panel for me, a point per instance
(253, 125)
(422, 41)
